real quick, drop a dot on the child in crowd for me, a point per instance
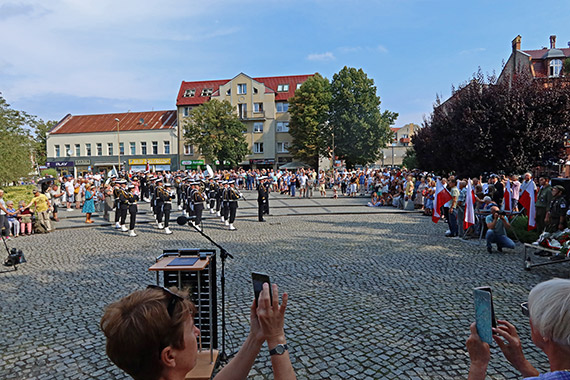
(12, 219)
(25, 218)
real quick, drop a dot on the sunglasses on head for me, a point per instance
(173, 298)
(524, 309)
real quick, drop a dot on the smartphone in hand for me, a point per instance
(258, 280)
(484, 313)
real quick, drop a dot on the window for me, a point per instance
(282, 126)
(257, 127)
(242, 88)
(67, 150)
(257, 107)
(242, 110)
(57, 152)
(188, 150)
(167, 147)
(133, 148)
(155, 147)
(122, 148)
(207, 92)
(299, 85)
(555, 67)
(282, 107)
(282, 88)
(282, 147)
(88, 149)
(143, 147)
(255, 90)
(186, 111)
(77, 150)
(110, 149)
(257, 147)
(229, 92)
(190, 93)
(99, 149)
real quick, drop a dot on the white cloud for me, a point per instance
(472, 51)
(328, 56)
(382, 49)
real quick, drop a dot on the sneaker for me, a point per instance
(212, 211)
(167, 231)
(232, 228)
(124, 228)
(132, 233)
(198, 228)
(222, 219)
(219, 214)
(117, 225)
(227, 223)
(69, 209)
(161, 226)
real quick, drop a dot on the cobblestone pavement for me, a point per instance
(376, 295)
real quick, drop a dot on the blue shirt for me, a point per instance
(556, 375)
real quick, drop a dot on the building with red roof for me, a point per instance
(82, 143)
(262, 104)
(540, 64)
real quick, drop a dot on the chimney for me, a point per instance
(553, 42)
(517, 43)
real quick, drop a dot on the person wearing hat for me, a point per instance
(198, 199)
(225, 202)
(123, 205)
(262, 195)
(42, 206)
(556, 215)
(167, 194)
(219, 193)
(132, 199)
(157, 201)
(542, 204)
(116, 193)
(232, 197)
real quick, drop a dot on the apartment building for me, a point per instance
(260, 103)
(83, 143)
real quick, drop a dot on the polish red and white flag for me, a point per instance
(469, 219)
(441, 197)
(527, 200)
(508, 197)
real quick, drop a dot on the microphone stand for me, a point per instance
(224, 255)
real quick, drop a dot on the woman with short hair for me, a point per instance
(548, 308)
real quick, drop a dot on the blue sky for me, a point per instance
(104, 56)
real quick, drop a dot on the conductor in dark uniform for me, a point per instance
(198, 199)
(262, 197)
(556, 215)
(133, 209)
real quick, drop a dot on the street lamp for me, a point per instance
(118, 143)
(393, 144)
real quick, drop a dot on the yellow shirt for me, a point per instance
(41, 203)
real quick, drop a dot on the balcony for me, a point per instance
(250, 115)
(404, 140)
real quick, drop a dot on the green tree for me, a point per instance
(410, 161)
(217, 132)
(309, 110)
(360, 129)
(40, 129)
(15, 144)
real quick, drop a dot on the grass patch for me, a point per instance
(18, 193)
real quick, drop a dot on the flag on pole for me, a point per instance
(441, 197)
(113, 173)
(527, 199)
(147, 166)
(508, 197)
(469, 219)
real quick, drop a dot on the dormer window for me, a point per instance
(555, 68)
(229, 92)
(242, 88)
(190, 93)
(282, 88)
(207, 92)
(255, 91)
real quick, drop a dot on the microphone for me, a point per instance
(182, 220)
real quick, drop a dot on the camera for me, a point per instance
(502, 212)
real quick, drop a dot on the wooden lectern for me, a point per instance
(186, 271)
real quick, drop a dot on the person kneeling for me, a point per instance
(496, 233)
(160, 321)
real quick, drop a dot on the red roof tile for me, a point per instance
(538, 54)
(271, 85)
(130, 121)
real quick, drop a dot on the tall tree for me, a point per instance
(40, 129)
(309, 110)
(360, 129)
(15, 143)
(484, 126)
(217, 132)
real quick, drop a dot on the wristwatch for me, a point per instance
(278, 350)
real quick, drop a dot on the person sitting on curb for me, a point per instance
(496, 233)
(548, 308)
(160, 321)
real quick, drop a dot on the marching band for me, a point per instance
(192, 196)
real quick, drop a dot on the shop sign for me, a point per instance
(137, 161)
(83, 162)
(262, 162)
(150, 161)
(60, 164)
(192, 162)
